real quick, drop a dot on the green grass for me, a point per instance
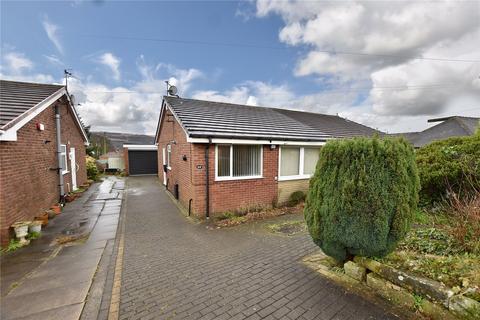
(13, 245)
(33, 235)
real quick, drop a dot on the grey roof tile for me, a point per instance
(225, 120)
(454, 126)
(17, 98)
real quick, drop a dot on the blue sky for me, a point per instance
(119, 81)
(82, 26)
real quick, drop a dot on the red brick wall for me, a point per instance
(28, 186)
(190, 175)
(125, 158)
(181, 172)
(233, 195)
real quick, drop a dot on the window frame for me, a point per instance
(169, 156)
(231, 177)
(64, 154)
(301, 175)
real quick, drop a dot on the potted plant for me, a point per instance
(57, 209)
(51, 214)
(43, 218)
(21, 231)
(35, 226)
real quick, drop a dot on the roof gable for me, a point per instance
(20, 102)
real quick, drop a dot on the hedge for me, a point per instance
(449, 165)
(362, 197)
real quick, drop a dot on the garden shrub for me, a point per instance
(295, 198)
(449, 165)
(92, 170)
(362, 197)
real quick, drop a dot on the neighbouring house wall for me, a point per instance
(286, 188)
(28, 186)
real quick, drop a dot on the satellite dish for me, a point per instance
(172, 90)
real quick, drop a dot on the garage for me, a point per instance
(140, 159)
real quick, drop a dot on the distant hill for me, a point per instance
(114, 141)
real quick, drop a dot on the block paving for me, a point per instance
(176, 269)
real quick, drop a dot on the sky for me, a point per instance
(389, 65)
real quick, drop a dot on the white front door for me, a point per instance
(164, 163)
(73, 169)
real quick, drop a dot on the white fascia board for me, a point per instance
(145, 147)
(299, 143)
(86, 143)
(246, 141)
(11, 133)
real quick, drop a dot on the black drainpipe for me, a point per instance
(207, 175)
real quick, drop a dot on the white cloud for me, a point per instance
(134, 108)
(155, 75)
(112, 62)
(391, 35)
(18, 67)
(53, 59)
(52, 33)
(16, 63)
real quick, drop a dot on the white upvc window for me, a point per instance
(169, 156)
(238, 161)
(297, 162)
(63, 158)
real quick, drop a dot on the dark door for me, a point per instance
(142, 162)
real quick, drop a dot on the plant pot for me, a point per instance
(21, 231)
(35, 226)
(57, 209)
(51, 214)
(69, 197)
(43, 218)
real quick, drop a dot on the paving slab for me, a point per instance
(37, 284)
(70, 312)
(16, 306)
(47, 280)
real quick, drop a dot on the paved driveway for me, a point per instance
(174, 269)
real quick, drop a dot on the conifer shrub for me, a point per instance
(295, 198)
(450, 165)
(362, 197)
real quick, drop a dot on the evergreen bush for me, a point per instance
(449, 165)
(92, 170)
(362, 197)
(295, 198)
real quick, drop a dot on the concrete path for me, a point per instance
(175, 269)
(49, 281)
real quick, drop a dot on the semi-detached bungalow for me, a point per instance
(42, 150)
(219, 157)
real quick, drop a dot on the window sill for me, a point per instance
(288, 178)
(237, 178)
(65, 172)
